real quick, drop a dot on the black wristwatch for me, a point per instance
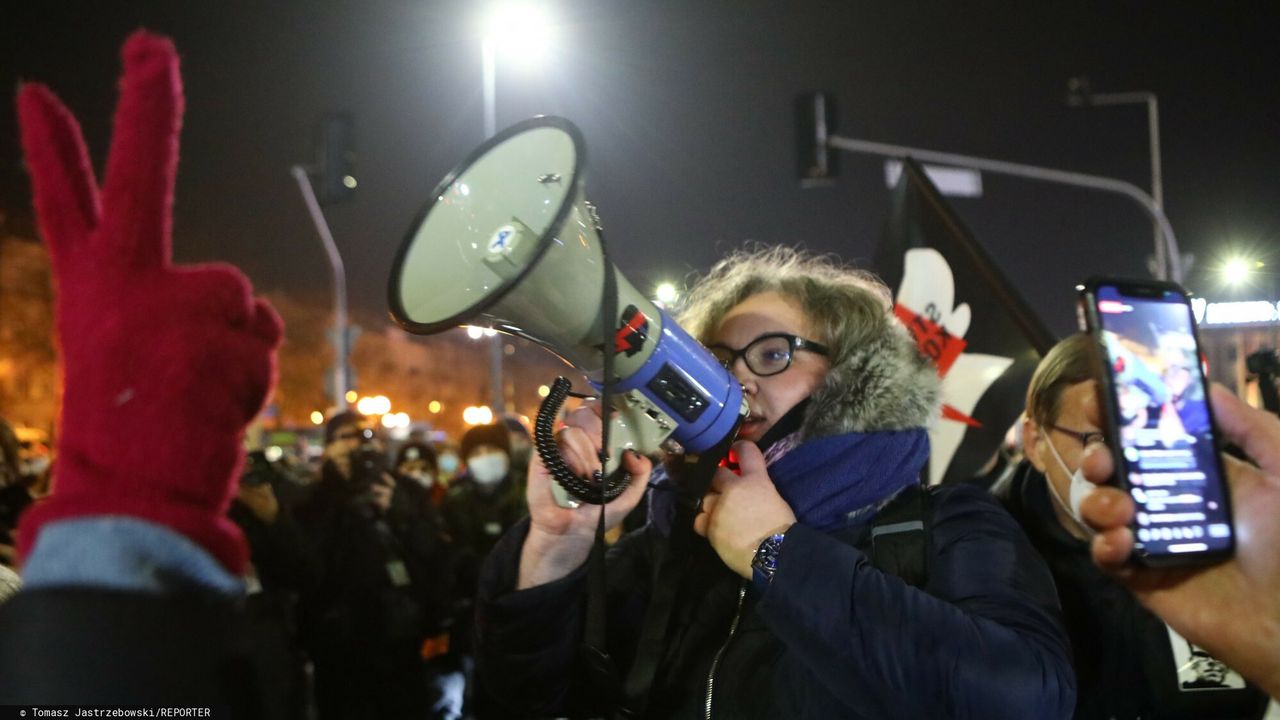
(765, 560)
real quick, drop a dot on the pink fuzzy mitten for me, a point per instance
(163, 365)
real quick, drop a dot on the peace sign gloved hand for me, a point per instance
(163, 365)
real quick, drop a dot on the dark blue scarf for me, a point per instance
(828, 479)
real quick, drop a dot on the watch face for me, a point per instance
(766, 557)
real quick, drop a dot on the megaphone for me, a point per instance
(509, 240)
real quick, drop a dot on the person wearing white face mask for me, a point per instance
(1128, 663)
(478, 508)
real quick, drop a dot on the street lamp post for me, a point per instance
(340, 381)
(1168, 263)
(488, 63)
(523, 29)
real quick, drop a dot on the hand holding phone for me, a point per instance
(1158, 420)
(1231, 609)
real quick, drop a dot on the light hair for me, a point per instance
(1069, 362)
(846, 306)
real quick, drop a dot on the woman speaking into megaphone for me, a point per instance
(825, 581)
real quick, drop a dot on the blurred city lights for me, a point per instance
(481, 415)
(666, 293)
(376, 405)
(349, 181)
(317, 417)
(395, 420)
(351, 396)
(434, 406)
(273, 453)
(543, 391)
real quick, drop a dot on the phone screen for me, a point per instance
(1165, 425)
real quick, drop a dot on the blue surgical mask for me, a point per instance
(448, 464)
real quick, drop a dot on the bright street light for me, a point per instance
(317, 417)
(521, 31)
(1236, 271)
(666, 293)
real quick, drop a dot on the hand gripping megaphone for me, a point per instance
(508, 239)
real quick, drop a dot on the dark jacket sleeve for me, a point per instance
(983, 639)
(529, 641)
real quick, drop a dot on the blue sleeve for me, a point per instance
(125, 553)
(983, 639)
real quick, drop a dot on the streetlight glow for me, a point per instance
(666, 293)
(352, 396)
(521, 31)
(1236, 271)
(317, 417)
(474, 332)
(434, 406)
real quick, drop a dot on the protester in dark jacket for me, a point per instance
(1129, 664)
(480, 506)
(782, 615)
(281, 568)
(486, 500)
(384, 586)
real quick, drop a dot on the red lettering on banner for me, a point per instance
(933, 339)
(938, 345)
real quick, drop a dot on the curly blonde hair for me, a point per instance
(878, 380)
(845, 305)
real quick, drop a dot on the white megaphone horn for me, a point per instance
(509, 240)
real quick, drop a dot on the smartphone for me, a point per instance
(1159, 421)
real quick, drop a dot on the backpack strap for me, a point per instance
(900, 536)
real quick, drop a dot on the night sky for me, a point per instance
(687, 112)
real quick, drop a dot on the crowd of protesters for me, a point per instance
(816, 578)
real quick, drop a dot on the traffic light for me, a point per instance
(334, 174)
(816, 163)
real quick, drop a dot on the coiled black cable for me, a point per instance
(544, 440)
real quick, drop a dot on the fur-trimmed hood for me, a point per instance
(885, 384)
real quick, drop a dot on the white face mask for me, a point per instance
(1080, 489)
(425, 479)
(488, 469)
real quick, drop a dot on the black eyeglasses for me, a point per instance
(1086, 438)
(768, 354)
